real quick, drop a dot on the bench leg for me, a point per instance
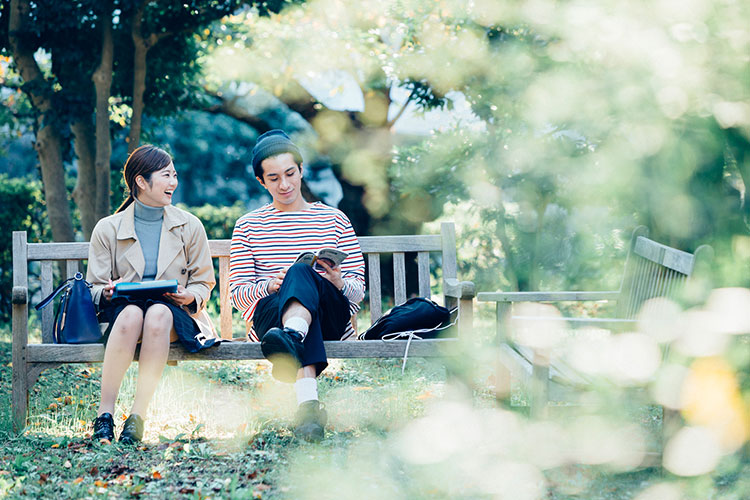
(539, 390)
(503, 375)
(502, 381)
(465, 317)
(20, 384)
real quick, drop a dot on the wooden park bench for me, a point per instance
(30, 360)
(651, 270)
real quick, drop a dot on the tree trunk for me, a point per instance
(139, 87)
(84, 193)
(48, 144)
(142, 45)
(102, 78)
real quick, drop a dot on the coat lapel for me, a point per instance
(170, 242)
(128, 240)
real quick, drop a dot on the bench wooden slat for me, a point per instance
(373, 270)
(220, 248)
(449, 264)
(423, 273)
(71, 268)
(664, 256)
(46, 275)
(58, 251)
(389, 244)
(225, 319)
(93, 353)
(399, 278)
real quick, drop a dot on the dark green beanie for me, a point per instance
(272, 143)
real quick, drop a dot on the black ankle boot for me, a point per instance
(132, 431)
(104, 428)
(310, 422)
(284, 349)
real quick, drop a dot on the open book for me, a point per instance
(331, 256)
(145, 289)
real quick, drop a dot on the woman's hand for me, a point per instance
(181, 297)
(275, 283)
(109, 289)
(332, 274)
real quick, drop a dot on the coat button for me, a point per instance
(183, 271)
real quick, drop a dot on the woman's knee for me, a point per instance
(129, 321)
(158, 320)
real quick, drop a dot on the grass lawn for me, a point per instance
(222, 430)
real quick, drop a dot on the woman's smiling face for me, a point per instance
(158, 190)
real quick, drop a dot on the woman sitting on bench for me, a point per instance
(146, 239)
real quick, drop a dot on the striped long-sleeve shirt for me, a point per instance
(267, 241)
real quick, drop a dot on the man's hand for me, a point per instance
(332, 274)
(181, 297)
(275, 283)
(109, 289)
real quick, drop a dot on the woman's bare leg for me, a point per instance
(157, 325)
(119, 354)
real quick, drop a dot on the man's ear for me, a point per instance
(261, 181)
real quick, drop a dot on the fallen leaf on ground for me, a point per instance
(77, 480)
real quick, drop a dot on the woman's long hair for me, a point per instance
(144, 161)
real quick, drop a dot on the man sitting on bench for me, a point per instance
(293, 307)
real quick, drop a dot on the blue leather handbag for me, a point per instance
(75, 319)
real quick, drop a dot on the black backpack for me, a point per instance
(418, 318)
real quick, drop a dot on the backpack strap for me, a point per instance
(412, 334)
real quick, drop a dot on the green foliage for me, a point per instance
(218, 221)
(23, 210)
(211, 154)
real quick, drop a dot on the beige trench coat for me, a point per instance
(115, 252)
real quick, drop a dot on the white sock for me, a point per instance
(298, 324)
(306, 389)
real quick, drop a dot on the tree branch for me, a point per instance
(229, 107)
(401, 111)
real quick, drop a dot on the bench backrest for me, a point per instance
(373, 247)
(652, 270)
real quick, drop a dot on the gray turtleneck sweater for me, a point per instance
(148, 228)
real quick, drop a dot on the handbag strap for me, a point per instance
(60, 316)
(54, 294)
(45, 301)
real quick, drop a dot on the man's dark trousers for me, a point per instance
(328, 307)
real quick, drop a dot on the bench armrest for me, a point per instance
(20, 295)
(459, 289)
(546, 296)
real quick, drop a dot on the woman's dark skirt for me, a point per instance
(184, 325)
